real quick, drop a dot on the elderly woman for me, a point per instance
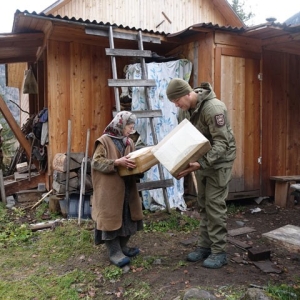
(116, 206)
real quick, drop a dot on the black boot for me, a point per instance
(98, 237)
(127, 250)
(115, 253)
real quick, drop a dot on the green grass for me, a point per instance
(234, 209)
(53, 264)
(284, 292)
(47, 285)
(173, 221)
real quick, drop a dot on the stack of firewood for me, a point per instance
(59, 184)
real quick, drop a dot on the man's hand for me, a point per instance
(191, 167)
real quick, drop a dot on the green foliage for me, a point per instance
(43, 209)
(141, 262)
(182, 263)
(233, 209)
(283, 292)
(46, 285)
(8, 144)
(65, 241)
(112, 273)
(14, 234)
(174, 221)
(141, 290)
(238, 7)
(10, 232)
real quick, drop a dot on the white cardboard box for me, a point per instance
(184, 144)
(144, 160)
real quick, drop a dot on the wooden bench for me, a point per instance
(283, 197)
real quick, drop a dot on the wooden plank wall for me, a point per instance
(233, 95)
(232, 70)
(15, 79)
(77, 90)
(280, 117)
(240, 92)
(145, 14)
(200, 51)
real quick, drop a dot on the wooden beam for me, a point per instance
(152, 185)
(144, 113)
(128, 52)
(131, 82)
(217, 77)
(247, 43)
(15, 127)
(240, 53)
(283, 49)
(19, 59)
(22, 40)
(123, 35)
(11, 187)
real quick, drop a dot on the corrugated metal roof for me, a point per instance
(195, 28)
(262, 31)
(293, 20)
(80, 21)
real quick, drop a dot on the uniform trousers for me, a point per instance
(212, 194)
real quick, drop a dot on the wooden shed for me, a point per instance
(255, 71)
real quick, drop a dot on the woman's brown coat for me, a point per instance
(109, 191)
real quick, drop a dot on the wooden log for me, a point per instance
(19, 176)
(12, 186)
(60, 188)
(22, 167)
(28, 196)
(49, 225)
(62, 176)
(88, 182)
(54, 206)
(77, 156)
(60, 163)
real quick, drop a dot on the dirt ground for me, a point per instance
(170, 274)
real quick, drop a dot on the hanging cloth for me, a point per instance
(162, 73)
(30, 84)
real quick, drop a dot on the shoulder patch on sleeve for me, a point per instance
(220, 120)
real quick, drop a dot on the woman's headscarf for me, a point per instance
(115, 127)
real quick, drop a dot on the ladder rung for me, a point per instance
(128, 52)
(131, 82)
(152, 185)
(144, 113)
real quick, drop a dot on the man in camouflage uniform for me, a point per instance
(213, 170)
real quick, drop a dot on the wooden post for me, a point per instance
(68, 162)
(3, 197)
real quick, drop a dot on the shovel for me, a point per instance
(83, 175)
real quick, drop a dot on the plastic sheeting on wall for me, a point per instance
(162, 73)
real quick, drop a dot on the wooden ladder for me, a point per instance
(149, 113)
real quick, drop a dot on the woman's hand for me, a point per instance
(125, 162)
(191, 167)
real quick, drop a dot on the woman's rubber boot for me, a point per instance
(116, 255)
(131, 252)
(98, 237)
